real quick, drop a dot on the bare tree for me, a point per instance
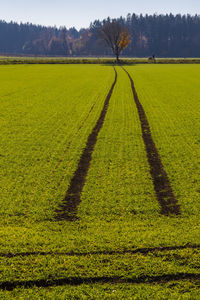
(115, 36)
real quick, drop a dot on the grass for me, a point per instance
(173, 110)
(173, 290)
(14, 60)
(46, 119)
(119, 169)
(41, 125)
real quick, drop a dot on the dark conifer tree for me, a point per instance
(164, 35)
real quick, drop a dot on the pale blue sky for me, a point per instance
(80, 13)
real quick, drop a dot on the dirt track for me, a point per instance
(169, 205)
(68, 208)
(75, 134)
(162, 186)
(75, 281)
(144, 251)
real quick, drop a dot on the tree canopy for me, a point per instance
(115, 36)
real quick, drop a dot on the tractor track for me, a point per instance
(75, 281)
(162, 186)
(69, 207)
(73, 137)
(144, 251)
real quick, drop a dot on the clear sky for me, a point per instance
(80, 13)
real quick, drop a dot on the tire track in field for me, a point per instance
(68, 209)
(75, 281)
(144, 251)
(68, 146)
(73, 137)
(162, 186)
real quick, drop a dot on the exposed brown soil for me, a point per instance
(144, 251)
(75, 281)
(162, 186)
(68, 208)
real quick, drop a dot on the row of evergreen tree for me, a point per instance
(164, 35)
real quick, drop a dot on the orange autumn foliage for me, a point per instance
(125, 39)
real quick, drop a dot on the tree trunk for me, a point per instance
(117, 58)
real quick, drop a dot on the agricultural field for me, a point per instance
(100, 181)
(16, 60)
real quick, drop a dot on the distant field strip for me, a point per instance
(164, 192)
(68, 209)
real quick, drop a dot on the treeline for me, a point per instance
(163, 35)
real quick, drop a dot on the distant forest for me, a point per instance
(163, 35)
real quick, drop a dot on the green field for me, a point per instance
(12, 60)
(119, 246)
